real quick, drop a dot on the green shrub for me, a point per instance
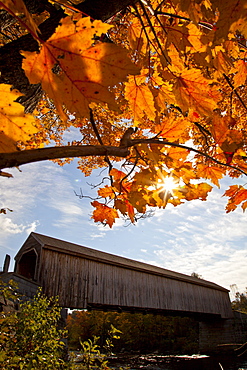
(29, 337)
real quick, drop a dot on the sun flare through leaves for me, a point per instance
(156, 94)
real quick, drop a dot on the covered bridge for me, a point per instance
(86, 278)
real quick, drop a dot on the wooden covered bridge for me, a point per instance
(86, 278)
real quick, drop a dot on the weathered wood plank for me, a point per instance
(82, 276)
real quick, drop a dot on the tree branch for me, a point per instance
(19, 158)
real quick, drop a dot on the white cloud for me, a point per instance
(32, 228)
(99, 235)
(200, 237)
(42, 185)
(8, 226)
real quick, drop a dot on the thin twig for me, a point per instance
(130, 172)
(162, 142)
(153, 31)
(234, 90)
(107, 160)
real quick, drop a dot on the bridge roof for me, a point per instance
(63, 246)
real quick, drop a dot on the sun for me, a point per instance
(167, 184)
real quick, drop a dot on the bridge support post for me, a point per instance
(213, 334)
(223, 335)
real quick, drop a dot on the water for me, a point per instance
(194, 362)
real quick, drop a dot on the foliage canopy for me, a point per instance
(240, 302)
(157, 92)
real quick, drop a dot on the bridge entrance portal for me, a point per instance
(27, 265)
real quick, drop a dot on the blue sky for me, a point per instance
(194, 237)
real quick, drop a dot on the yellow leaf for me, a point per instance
(136, 36)
(221, 62)
(186, 172)
(197, 191)
(194, 38)
(177, 154)
(177, 62)
(162, 91)
(15, 125)
(164, 95)
(240, 72)
(141, 101)
(75, 74)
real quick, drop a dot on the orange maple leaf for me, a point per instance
(74, 73)
(219, 128)
(140, 99)
(124, 206)
(193, 90)
(15, 126)
(106, 192)
(174, 128)
(210, 172)
(117, 175)
(236, 194)
(228, 139)
(197, 191)
(104, 214)
(136, 36)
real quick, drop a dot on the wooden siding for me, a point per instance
(80, 282)
(83, 277)
(111, 259)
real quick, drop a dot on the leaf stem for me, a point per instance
(35, 36)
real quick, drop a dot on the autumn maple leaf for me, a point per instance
(74, 73)
(237, 194)
(197, 191)
(172, 128)
(193, 90)
(140, 99)
(208, 171)
(15, 126)
(104, 214)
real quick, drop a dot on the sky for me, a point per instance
(194, 237)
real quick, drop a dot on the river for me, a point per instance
(194, 362)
